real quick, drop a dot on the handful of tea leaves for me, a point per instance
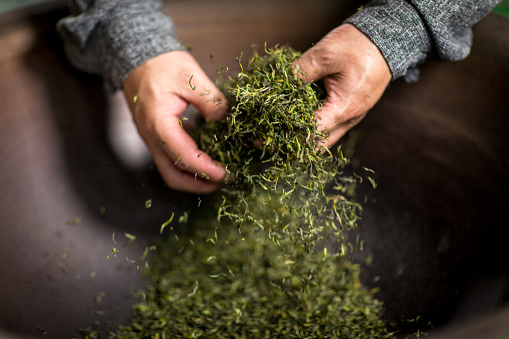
(256, 271)
(270, 145)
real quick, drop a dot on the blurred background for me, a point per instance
(453, 191)
(7, 5)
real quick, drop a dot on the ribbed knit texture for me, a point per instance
(410, 31)
(113, 37)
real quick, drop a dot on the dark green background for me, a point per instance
(503, 9)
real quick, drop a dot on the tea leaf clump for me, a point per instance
(271, 146)
(266, 259)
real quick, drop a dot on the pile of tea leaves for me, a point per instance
(266, 256)
(231, 286)
(270, 146)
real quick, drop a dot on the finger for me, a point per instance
(205, 96)
(309, 65)
(183, 151)
(334, 136)
(335, 124)
(180, 180)
(161, 128)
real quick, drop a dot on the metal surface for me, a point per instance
(435, 224)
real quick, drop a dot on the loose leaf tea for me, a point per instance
(264, 257)
(244, 287)
(270, 145)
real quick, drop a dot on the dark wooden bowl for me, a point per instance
(435, 225)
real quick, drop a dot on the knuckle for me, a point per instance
(182, 164)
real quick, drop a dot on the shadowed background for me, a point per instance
(435, 226)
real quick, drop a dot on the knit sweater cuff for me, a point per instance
(398, 31)
(136, 39)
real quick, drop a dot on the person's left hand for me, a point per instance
(355, 75)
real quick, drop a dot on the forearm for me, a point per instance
(113, 37)
(410, 31)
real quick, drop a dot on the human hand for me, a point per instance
(355, 75)
(163, 87)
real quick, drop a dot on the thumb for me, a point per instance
(309, 66)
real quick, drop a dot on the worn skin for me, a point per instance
(355, 75)
(164, 88)
(353, 69)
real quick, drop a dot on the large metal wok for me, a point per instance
(435, 225)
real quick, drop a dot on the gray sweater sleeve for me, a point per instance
(407, 32)
(113, 37)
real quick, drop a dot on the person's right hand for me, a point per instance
(163, 87)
